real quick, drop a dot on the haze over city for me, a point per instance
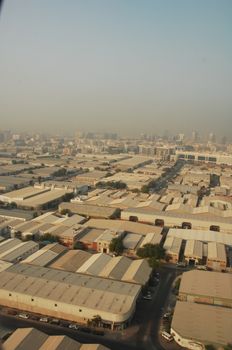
(123, 66)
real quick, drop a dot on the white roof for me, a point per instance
(172, 245)
(194, 248)
(200, 235)
(216, 251)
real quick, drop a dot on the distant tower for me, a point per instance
(195, 136)
(212, 137)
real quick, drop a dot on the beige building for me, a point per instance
(28, 338)
(172, 248)
(216, 259)
(206, 287)
(70, 296)
(196, 325)
(193, 252)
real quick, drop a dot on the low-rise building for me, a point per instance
(216, 259)
(23, 338)
(196, 325)
(14, 250)
(70, 296)
(193, 252)
(172, 248)
(206, 287)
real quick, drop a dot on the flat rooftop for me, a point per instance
(205, 323)
(207, 283)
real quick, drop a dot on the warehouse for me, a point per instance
(195, 325)
(118, 268)
(35, 198)
(199, 221)
(66, 295)
(14, 250)
(128, 226)
(71, 261)
(203, 236)
(206, 287)
(216, 259)
(88, 210)
(193, 252)
(23, 338)
(131, 242)
(172, 247)
(46, 255)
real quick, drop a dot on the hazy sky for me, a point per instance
(128, 66)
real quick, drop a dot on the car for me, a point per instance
(55, 321)
(22, 315)
(167, 336)
(202, 267)
(167, 315)
(73, 326)
(181, 264)
(44, 319)
(157, 275)
(12, 312)
(147, 297)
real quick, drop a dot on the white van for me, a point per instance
(167, 336)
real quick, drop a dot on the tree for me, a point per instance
(96, 320)
(116, 245)
(65, 212)
(153, 263)
(49, 237)
(209, 347)
(151, 251)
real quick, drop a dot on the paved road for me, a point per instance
(143, 334)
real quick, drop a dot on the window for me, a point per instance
(9, 294)
(32, 299)
(55, 305)
(80, 310)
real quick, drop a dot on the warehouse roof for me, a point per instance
(120, 225)
(114, 298)
(205, 323)
(23, 338)
(207, 283)
(200, 235)
(194, 248)
(131, 240)
(46, 255)
(72, 260)
(17, 251)
(172, 245)
(88, 210)
(216, 251)
(95, 264)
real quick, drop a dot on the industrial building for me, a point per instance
(47, 255)
(119, 268)
(196, 325)
(172, 248)
(216, 258)
(199, 220)
(13, 250)
(88, 210)
(206, 287)
(28, 338)
(35, 198)
(70, 296)
(193, 252)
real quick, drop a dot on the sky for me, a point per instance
(126, 66)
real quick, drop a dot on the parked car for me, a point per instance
(44, 319)
(147, 297)
(22, 315)
(98, 332)
(73, 326)
(167, 336)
